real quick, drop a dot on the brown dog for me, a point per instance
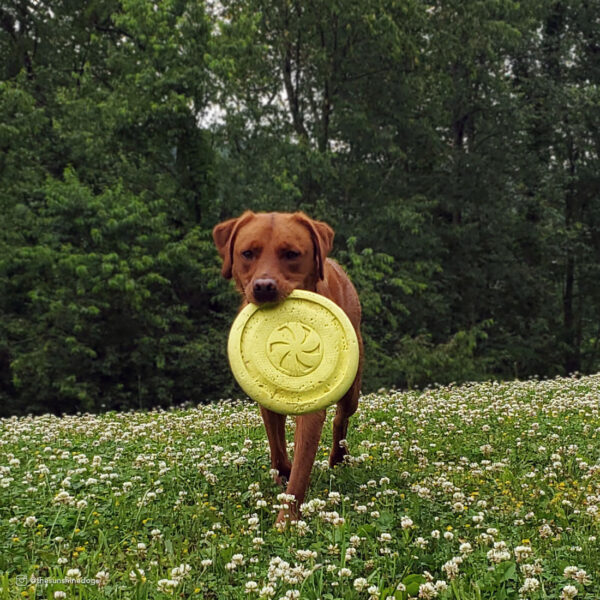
(269, 255)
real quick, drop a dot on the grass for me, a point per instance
(481, 491)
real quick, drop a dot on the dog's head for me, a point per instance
(271, 254)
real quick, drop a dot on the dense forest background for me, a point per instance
(454, 145)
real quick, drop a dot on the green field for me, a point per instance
(479, 491)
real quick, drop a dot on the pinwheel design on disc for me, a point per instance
(295, 349)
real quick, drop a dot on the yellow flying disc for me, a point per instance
(294, 357)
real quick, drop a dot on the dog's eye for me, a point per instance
(247, 254)
(291, 254)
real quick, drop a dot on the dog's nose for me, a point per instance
(265, 290)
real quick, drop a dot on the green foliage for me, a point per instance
(110, 287)
(106, 307)
(470, 492)
(418, 361)
(454, 147)
(458, 142)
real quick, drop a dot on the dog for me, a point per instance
(269, 255)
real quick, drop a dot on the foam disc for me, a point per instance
(295, 357)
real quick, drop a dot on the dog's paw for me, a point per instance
(337, 456)
(281, 475)
(286, 518)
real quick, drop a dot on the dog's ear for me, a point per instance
(322, 238)
(224, 237)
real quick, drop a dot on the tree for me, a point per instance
(106, 273)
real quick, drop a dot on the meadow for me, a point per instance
(488, 490)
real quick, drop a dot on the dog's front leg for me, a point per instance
(345, 409)
(275, 426)
(306, 444)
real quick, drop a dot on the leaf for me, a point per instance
(413, 582)
(506, 571)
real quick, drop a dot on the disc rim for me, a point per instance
(262, 392)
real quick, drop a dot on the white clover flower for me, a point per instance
(30, 521)
(334, 497)
(523, 553)
(577, 574)
(206, 562)
(302, 527)
(545, 531)
(465, 548)
(102, 578)
(180, 572)
(570, 571)
(251, 587)
(344, 572)
(267, 591)
(285, 498)
(529, 586)
(451, 567)
(166, 586)
(499, 553)
(137, 575)
(373, 592)
(360, 584)
(73, 574)
(427, 591)
(406, 522)
(568, 592)
(63, 497)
